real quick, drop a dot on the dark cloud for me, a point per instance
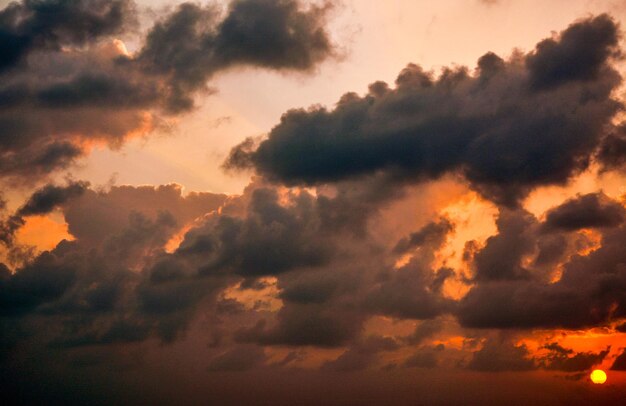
(432, 233)
(42, 201)
(620, 362)
(424, 357)
(362, 355)
(302, 325)
(65, 66)
(498, 355)
(410, 292)
(592, 210)
(115, 283)
(192, 44)
(96, 216)
(567, 360)
(580, 53)
(506, 128)
(272, 239)
(50, 24)
(587, 293)
(37, 283)
(612, 151)
(274, 34)
(239, 359)
(501, 258)
(424, 330)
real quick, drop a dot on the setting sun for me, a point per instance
(598, 377)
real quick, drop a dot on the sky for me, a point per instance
(312, 202)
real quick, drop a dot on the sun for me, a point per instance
(598, 377)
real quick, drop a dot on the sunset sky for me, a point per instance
(294, 202)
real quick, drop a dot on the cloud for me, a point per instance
(592, 210)
(498, 355)
(506, 128)
(612, 152)
(432, 233)
(28, 26)
(272, 239)
(94, 280)
(425, 329)
(587, 293)
(192, 44)
(302, 325)
(620, 362)
(567, 360)
(581, 53)
(424, 357)
(66, 66)
(501, 258)
(238, 359)
(97, 216)
(42, 201)
(362, 355)
(45, 199)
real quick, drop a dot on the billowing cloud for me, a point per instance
(586, 294)
(66, 67)
(193, 43)
(510, 126)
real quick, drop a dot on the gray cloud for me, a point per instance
(498, 355)
(192, 44)
(620, 362)
(592, 210)
(506, 128)
(65, 67)
(567, 360)
(28, 26)
(588, 293)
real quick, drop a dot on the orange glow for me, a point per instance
(265, 299)
(592, 180)
(174, 242)
(474, 220)
(43, 232)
